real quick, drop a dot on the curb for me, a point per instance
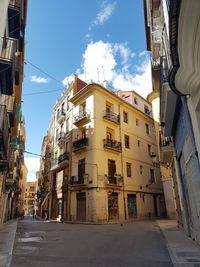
(171, 254)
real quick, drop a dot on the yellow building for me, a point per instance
(101, 147)
(12, 30)
(30, 198)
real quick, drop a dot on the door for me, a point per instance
(81, 207)
(113, 210)
(132, 207)
(155, 205)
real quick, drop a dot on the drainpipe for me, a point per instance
(122, 166)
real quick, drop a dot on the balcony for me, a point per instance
(7, 57)
(116, 180)
(4, 133)
(78, 180)
(81, 118)
(111, 116)
(61, 139)
(14, 19)
(166, 143)
(112, 144)
(61, 116)
(64, 156)
(80, 144)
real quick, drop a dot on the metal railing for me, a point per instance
(60, 136)
(80, 144)
(112, 144)
(8, 49)
(165, 141)
(64, 156)
(109, 115)
(84, 115)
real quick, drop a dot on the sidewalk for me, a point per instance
(7, 238)
(182, 250)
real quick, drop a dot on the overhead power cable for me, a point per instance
(43, 92)
(44, 72)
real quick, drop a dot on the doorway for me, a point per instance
(132, 206)
(113, 209)
(81, 207)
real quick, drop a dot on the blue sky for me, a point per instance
(84, 37)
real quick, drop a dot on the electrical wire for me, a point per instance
(44, 72)
(43, 92)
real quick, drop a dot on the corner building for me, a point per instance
(101, 157)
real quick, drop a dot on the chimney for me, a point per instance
(105, 84)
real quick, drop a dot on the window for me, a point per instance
(62, 107)
(83, 108)
(135, 100)
(128, 169)
(125, 116)
(68, 102)
(57, 134)
(152, 176)
(149, 149)
(147, 128)
(67, 147)
(61, 127)
(141, 169)
(138, 142)
(126, 141)
(146, 109)
(58, 113)
(56, 154)
(137, 122)
(81, 170)
(84, 133)
(67, 125)
(108, 107)
(109, 134)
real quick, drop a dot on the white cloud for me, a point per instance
(114, 63)
(32, 165)
(37, 79)
(69, 79)
(108, 35)
(143, 53)
(104, 14)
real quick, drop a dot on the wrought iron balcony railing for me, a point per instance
(64, 156)
(79, 180)
(81, 117)
(60, 136)
(112, 144)
(109, 115)
(80, 144)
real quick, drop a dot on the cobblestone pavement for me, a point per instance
(40, 243)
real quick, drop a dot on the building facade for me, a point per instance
(173, 71)
(100, 149)
(30, 198)
(12, 135)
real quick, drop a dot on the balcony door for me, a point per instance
(112, 171)
(81, 171)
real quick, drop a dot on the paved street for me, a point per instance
(40, 243)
